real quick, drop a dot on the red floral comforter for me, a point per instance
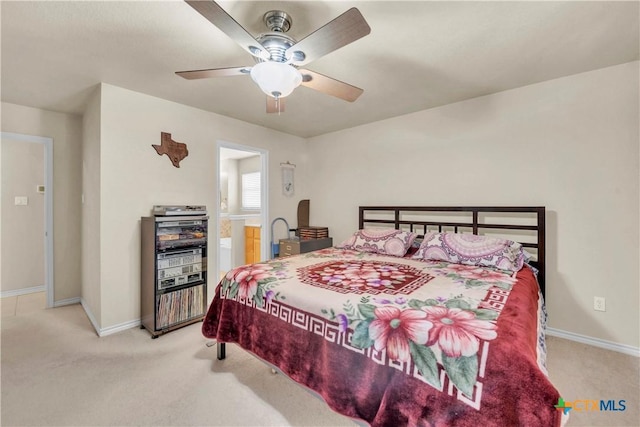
(395, 341)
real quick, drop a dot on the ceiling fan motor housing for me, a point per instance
(277, 21)
(276, 44)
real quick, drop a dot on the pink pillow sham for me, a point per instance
(470, 249)
(386, 241)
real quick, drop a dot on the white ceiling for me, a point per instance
(419, 55)
(231, 154)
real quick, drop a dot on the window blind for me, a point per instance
(251, 191)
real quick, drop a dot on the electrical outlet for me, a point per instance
(599, 304)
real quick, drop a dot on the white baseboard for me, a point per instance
(23, 291)
(68, 301)
(102, 332)
(596, 342)
(117, 328)
(35, 289)
(90, 315)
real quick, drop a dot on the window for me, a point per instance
(251, 191)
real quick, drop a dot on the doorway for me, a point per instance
(34, 207)
(242, 206)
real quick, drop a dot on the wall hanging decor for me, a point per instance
(175, 150)
(287, 178)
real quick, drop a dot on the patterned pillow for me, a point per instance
(470, 249)
(386, 241)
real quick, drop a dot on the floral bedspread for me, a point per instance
(394, 341)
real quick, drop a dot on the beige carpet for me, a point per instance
(56, 372)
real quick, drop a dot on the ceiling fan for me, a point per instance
(279, 57)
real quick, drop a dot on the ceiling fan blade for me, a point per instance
(345, 29)
(214, 72)
(275, 106)
(330, 86)
(221, 19)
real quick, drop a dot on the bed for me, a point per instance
(425, 316)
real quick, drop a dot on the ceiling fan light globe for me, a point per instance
(276, 79)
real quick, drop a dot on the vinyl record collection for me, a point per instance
(178, 306)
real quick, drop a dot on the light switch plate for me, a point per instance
(21, 201)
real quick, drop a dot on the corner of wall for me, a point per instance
(90, 199)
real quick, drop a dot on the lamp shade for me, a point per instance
(276, 79)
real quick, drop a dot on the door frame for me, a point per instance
(48, 206)
(264, 199)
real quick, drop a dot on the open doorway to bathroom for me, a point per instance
(242, 208)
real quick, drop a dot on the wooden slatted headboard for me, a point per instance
(528, 223)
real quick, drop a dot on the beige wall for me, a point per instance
(0, 215)
(226, 198)
(91, 238)
(23, 225)
(233, 185)
(133, 178)
(569, 144)
(66, 132)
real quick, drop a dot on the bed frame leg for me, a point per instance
(222, 350)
